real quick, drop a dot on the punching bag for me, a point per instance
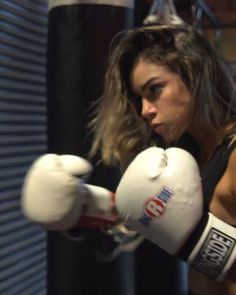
(79, 34)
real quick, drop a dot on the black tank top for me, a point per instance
(216, 167)
(211, 175)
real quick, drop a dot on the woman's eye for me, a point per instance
(154, 91)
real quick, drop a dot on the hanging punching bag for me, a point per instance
(79, 34)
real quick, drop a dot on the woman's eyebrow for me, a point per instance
(146, 84)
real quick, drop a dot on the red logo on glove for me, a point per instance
(154, 208)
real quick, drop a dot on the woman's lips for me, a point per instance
(158, 128)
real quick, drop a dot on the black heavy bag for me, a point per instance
(79, 33)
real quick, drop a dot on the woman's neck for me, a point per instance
(207, 147)
(208, 143)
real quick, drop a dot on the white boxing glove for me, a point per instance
(160, 196)
(55, 196)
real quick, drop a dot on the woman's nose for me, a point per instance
(149, 110)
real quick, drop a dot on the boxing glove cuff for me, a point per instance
(215, 251)
(99, 211)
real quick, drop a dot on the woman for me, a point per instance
(166, 86)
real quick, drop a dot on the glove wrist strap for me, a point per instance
(215, 251)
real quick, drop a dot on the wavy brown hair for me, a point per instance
(118, 128)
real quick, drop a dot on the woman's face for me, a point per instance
(166, 101)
